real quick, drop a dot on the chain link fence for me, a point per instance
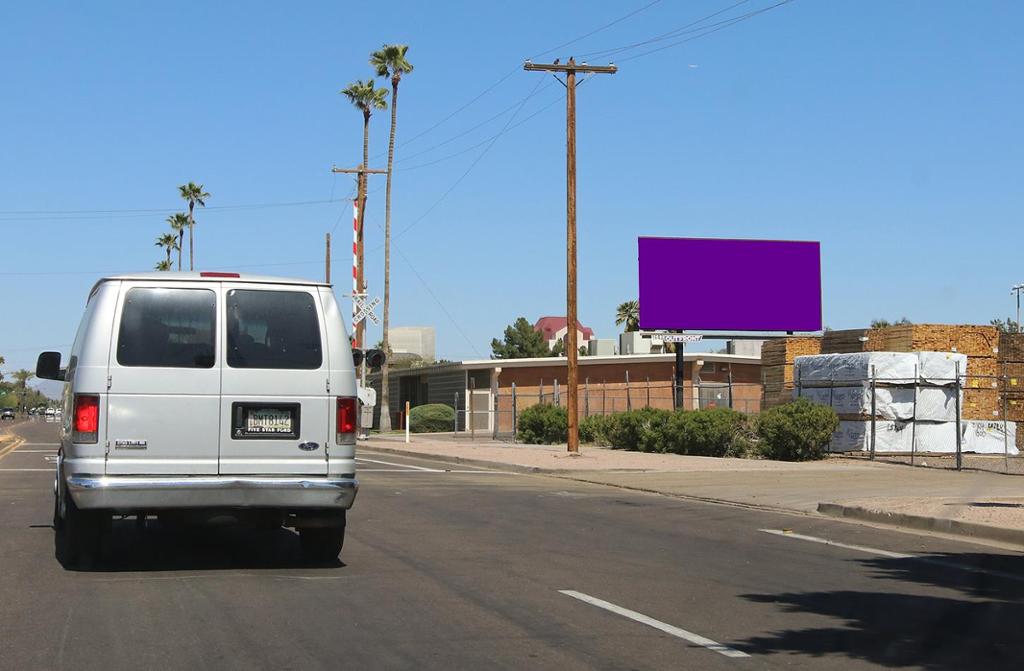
(495, 415)
(965, 422)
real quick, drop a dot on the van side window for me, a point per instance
(272, 329)
(167, 328)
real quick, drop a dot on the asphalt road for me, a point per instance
(464, 569)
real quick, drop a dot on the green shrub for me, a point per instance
(543, 424)
(431, 418)
(594, 429)
(796, 431)
(706, 433)
(641, 430)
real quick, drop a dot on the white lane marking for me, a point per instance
(26, 470)
(40, 444)
(898, 555)
(657, 624)
(391, 463)
(825, 541)
(36, 451)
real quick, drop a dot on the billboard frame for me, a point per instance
(739, 334)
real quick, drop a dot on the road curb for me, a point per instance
(580, 476)
(922, 523)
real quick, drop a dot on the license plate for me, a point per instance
(268, 421)
(265, 420)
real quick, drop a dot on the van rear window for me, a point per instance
(167, 328)
(273, 329)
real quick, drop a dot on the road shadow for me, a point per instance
(974, 624)
(129, 547)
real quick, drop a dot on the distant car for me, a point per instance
(7, 414)
(50, 412)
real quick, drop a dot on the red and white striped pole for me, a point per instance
(355, 268)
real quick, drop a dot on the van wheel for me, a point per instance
(321, 545)
(81, 533)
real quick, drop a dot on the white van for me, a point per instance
(191, 396)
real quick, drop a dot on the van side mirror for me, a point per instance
(48, 366)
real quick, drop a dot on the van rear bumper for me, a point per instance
(155, 493)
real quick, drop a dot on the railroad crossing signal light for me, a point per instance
(375, 358)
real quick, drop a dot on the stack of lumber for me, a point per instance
(851, 341)
(1011, 365)
(777, 358)
(979, 343)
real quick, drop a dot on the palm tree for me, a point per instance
(178, 223)
(164, 265)
(389, 61)
(365, 97)
(194, 194)
(628, 313)
(169, 241)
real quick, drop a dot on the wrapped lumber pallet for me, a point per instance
(931, 368)
(969, 339)
(782, 351)
(937, 404)
(1011, 347)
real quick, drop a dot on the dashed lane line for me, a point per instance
(657, 624)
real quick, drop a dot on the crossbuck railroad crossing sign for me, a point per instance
(364, 310)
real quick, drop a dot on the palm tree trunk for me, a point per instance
(385, 410)
(191, 239)
(181, 244)
(361, 274)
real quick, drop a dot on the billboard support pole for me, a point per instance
(680, 347)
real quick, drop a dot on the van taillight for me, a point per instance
(346, 419)
(86, 419)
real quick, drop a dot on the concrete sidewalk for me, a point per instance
(982, 505)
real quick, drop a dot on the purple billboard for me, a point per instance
(708, 284)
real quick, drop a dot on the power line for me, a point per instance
(672, 33)
(473, 164)
(725, 24)
(467, 131)
(75, 215)
(485, 140)
(516, 69)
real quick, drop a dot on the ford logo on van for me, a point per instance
(308, 447)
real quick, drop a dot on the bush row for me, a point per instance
(795, 431)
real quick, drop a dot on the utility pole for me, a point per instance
(572, 352)
(327, 260)
(1017, 289)
(362, 171)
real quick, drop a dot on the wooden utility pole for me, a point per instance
(362, 171)
(572, 352)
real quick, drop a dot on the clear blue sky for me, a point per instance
(890, 131)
